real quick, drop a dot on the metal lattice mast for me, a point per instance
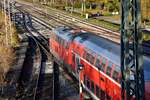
(131, 51)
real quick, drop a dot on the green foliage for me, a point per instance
(145, 10)
(146, 37)
(77, 5)
(113, 5)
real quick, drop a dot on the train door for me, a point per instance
(73, 62)
(77, 63)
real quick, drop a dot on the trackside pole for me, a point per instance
(80, 68)
(81, 94)
(55, 81)
(80, 88)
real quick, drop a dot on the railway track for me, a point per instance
(72, 85)
(40, 42)
(40, 68)
(29, 26)
(24, 86)
(32, 34)
(65, 20)
(73, 22)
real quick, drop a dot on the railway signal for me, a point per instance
(131, 51)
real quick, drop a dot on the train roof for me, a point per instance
(109, 50)
(64, 32)
(100, 46)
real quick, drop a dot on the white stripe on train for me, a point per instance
(99, 70)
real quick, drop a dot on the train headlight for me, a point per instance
(80, 67)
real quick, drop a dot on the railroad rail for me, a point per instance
(73, 22)
(24, 28)
(62, 71)
(34, 35)
(31, 30)
(65, 20)
(39, 45)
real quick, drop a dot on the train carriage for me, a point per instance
(100, 59)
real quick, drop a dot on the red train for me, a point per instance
(100, 59)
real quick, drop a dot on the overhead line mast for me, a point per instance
(131, 51)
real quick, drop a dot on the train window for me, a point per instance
(117, 68)
(62, 42)
(97, 91)
(77, 60)
(116, 73)
(84, 54)
(87, 56)
(91, 60)
(92, 86)
(56, 38)
(109, 68)
(108, 71)
(88, 83)
(97, 64)
(103, 64)
(108, 97)
(59, 41)
(66, 44)
(102, 95)
(102, 79)
(73, 57)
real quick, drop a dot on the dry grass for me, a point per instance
(12, 38)
(7, 54)
(6, 60)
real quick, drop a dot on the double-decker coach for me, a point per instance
(100, 59)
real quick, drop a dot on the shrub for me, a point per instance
(7, 55)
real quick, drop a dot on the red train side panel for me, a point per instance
(100, 77)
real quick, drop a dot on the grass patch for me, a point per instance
(146, 37)
(98, 22)
(11, 33)
(105, 24)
